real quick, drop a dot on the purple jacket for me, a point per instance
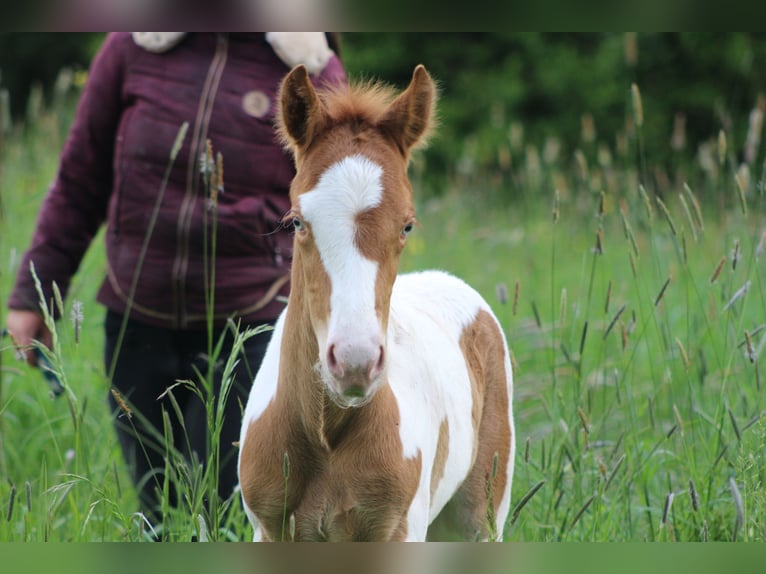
(112, 170)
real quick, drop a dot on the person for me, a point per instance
(163, 218)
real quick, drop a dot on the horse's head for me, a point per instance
(351, 212)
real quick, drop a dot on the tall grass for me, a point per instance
(634, 307)
(637, 339)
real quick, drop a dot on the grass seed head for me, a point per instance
(178, 143)
(11, 502)
(741, 292)
(694, 496)
(742, 179)
(666, 213)
(624, 336)
(718, 270)
(286, 466)
(661, 294)
(638, 107)
(689, 218)
(120, 400)
(58, 299)
(749, 349)
(753, 140)
(526, 450)
(614, 320)
(721, 148)
(735, 255)
(647, 202)
(695, 205)
(77, 316)
(598, 248)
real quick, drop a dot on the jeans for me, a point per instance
(150, 360)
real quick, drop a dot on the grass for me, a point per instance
(636, 326)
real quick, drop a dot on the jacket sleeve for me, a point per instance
(76, 203)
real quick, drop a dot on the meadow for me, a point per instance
(634, 307)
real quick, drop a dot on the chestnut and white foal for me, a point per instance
(382, 409)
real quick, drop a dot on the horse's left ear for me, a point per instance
(301, 114)
(409, 119)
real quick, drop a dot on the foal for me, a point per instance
(382, 410)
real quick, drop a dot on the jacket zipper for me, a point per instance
(202, 121)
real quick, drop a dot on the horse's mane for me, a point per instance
(364, 101)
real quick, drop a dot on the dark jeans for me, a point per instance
(150, 360)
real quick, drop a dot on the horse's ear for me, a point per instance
(300, 115)
(409, 119)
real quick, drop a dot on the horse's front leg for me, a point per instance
(417, 518)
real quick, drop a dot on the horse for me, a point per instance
(382, 410)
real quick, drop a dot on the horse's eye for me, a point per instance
(407, 229)
(297, 224)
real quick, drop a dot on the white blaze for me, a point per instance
(346, 189)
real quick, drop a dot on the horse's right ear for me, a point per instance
(410, 117)
(300, 115)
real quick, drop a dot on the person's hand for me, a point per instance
(23, 328)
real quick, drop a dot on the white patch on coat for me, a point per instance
(429, 377)
(264, 387)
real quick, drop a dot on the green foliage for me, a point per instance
(505, 95)
(638, 369)
(547, 82)
(28, 60)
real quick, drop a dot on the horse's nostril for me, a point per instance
(332, 362)
(376, 367)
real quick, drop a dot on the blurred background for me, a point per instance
(508, 97)
(605, 192)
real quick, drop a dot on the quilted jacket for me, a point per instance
(168, 243)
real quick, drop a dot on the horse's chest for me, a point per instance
(337, 496)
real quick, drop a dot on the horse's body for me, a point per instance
(382, 409)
